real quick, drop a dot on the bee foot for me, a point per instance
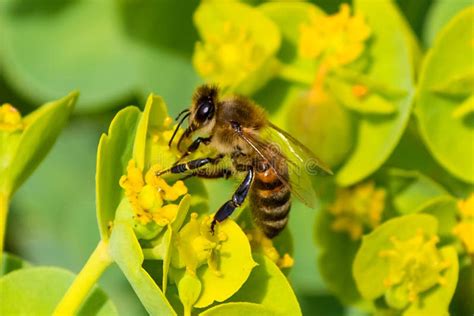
(213, 224)
(160, 173)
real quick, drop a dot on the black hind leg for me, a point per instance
(237, 199)
(209, 174)
(191, 165)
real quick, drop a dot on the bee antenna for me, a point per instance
(181, 113)
(178, 126)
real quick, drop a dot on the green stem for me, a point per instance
(85, 280)
(3, 223)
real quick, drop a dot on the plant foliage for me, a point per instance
(393, 229)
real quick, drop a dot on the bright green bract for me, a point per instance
(441, 12)
(444, 88)
(127, 253)
(25, 152)
(113, 154)
(369, 268)
(268, 287)
(289, 16)
(411, 190)
(401, 256)
(391, 51)
(238, 45)
(235, 265)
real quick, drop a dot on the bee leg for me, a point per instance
(190, 165)
(193, 147)
(237, 200)
(209, 174)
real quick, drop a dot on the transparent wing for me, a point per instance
(299, 152)
(275, 145)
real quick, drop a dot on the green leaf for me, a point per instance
(162, 251)
(440, 13)
(446, 137)
(370, 104)
(212, 15)
(113, 154)
(410, 190)
(37, 291)
(436, 301)
(91, 59)
(445, 209)
(460, 85)
(337, 253)
(289, 16)
(238, 309)
(168, 238)
(130, 52)
(182, 213)
(268, 286)
(42, 129)
(391, 66)
(11, 263)
(229, 27)
(412, 32)
(127, 253)
(235, 265)
(152, 120)
(380, 87)
(464, 109)
(369, 268)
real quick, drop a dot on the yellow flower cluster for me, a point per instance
(227, 57)
(10, 118)
(147, 195)
(464, 230)
(414, 266)
(357, 208)
(338, 39)
(196, 245)
(258, 241)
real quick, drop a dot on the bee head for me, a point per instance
(201, 114)
(204, 106)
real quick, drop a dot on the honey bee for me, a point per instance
(275, 165)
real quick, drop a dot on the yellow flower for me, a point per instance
(337, 39)
(229, 56)
(464, 230)
(414, 267)
(357, 208)
(10, 118)
(147, 195)
(258, 241)
(196, 245)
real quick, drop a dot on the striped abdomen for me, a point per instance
(270, 201)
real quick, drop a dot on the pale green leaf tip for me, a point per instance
(71, 99)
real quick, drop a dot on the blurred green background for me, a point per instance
(115, 53)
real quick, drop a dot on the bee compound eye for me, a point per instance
(205, 111)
